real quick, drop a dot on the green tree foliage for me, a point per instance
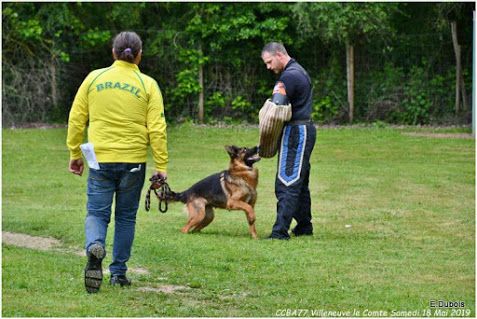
(227, 37)
(345, 22)
(34, 46)
(404, 58)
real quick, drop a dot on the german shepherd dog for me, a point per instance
(232, 189)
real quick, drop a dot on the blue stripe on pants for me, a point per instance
(285, 178)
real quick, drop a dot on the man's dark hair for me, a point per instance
(127, 45)
(274, 47)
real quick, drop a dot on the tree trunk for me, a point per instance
(54, 90)
(465, 104)
(201, 85)
(350, 79)
(201, 94)
(459, 77)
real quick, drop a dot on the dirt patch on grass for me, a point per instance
(139, 270)
(167, 289)
(32, 242)
(50, 244)
(440, 135)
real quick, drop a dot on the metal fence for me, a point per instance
(385, 82)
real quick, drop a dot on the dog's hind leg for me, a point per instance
(196, 209)
(209, 217)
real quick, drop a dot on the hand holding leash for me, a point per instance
(158, 179)
(161, 189)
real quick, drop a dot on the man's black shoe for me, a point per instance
(302, 231)
(271, 237)
(93, 273)
(120, 280)
(298, 234)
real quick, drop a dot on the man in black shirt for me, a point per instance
(298, 139)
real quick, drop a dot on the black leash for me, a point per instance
(162, 191)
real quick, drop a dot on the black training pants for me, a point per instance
(291, 184)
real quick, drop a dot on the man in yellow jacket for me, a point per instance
(124, 112)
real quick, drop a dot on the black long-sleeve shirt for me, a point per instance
(298, 89)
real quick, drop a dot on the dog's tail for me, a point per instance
(177, 197)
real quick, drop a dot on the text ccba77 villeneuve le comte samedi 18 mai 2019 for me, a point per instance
(437, 308)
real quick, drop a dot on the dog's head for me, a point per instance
(243, 154)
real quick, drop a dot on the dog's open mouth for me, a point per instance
(252, 159)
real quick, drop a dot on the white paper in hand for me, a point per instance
(88, 152)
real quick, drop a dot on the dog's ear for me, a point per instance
(232, 150)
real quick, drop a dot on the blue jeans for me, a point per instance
(125, 181)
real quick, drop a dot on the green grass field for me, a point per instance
(394, 219)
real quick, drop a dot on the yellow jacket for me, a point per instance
(125, 111)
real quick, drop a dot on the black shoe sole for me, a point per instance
(302, 234)
(93, 273)
(122, 284)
